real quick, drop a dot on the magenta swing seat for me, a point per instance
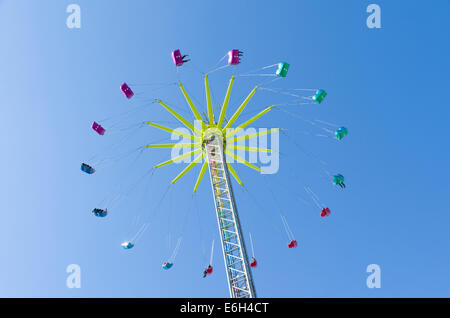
(98, 128)
(233, 57)
(126, 90)
(177, 58)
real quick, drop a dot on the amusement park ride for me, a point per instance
(211, 141)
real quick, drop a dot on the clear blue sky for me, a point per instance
(388, 86)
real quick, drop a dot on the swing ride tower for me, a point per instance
(212, 141)
(240, 281)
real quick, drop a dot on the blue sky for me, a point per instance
(388, 86)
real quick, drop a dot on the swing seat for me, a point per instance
(292, 244)
(126, 90)
(338, 179)
(86, 168)
(98, 128)
(253, 263)
(167, 265)
(282, 69)
(233, 57)
(325, 212)
(209, 270)
(319, 96)
(100, 212)
(127, 245)
(341, 133)
(176, 57)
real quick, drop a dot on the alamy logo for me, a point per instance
(259, 146)
(374, 279)
(374, 19)
(74, 278)
(74, 19)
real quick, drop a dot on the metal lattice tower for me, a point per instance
(240, 282)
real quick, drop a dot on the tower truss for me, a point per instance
(240, 281)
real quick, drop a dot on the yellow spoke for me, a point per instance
(200, 176)
(208, 101)
(189, 101)
(180, 118)
(225, 103)
(234, 174)
(248, 148)
(240, 109)
(248, 122)
(189, 167)
(241, 160)
(190, 153)
(261, 133)
(176, 132)
(180, 145)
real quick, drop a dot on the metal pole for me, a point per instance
(240, 281)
